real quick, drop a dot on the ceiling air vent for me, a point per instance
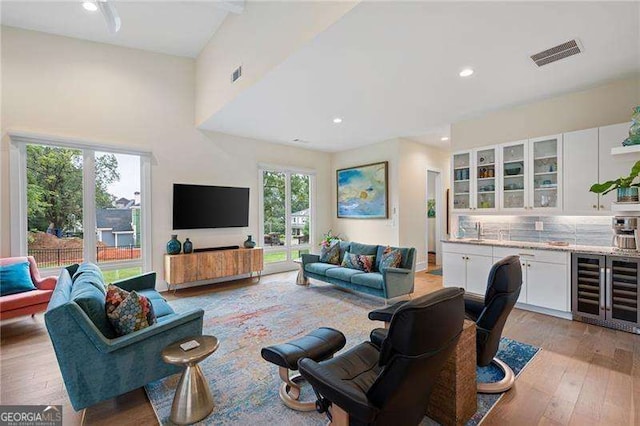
(236, 74)
(561, 51)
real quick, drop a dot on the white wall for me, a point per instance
(415, 159)
(125, 97)
(369, 231)
(407, 223)
(260, 38)
(605, 104)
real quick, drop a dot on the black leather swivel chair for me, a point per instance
(376, 382)
(490, 315)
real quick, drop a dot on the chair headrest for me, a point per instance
(424, 324)
(505, 277)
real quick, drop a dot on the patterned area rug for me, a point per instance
(244, 386)
(435, 272)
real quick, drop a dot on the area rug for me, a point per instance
(244, 386)
(435, 272)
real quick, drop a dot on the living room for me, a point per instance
(273, 108)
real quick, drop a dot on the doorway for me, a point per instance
(434, 217)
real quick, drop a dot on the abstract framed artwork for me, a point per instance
(363, 191)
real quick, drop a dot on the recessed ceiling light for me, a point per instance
(466, 72)
(337, 120)
(90, 6)
(444, 138)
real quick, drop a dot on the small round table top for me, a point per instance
(174, 354)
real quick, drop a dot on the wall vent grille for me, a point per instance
(556, 53)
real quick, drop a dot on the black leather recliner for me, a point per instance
(490, 315)
(376, 382)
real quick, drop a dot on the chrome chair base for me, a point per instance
(500, 386)
(290, 392)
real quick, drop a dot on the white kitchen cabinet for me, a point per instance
(514, 168)
(545, 276)
(545, 173)
(612, 167)
(580, 162)
(462, 177)
(466, 266)
(454, 270)
(478, 268)
(547, 285)
(485, 174)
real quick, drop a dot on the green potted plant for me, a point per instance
(627, 190)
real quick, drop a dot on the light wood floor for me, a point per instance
(584, 375)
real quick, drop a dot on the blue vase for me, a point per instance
(249, 243)
(174, 246)
(187, 247)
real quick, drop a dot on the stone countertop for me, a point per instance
(546, 246)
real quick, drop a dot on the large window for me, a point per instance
(74, 203)
(286, 213)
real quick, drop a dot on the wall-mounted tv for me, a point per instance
(201, 206)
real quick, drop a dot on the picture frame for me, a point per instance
(362, 192)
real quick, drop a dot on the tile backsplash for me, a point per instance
(582, 230)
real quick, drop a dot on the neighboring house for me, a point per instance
(120, 226)
(115, 227)
(298, 223)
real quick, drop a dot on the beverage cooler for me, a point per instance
(605, 290)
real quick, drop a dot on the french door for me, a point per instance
(286, 215)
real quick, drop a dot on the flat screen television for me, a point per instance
(201, 206)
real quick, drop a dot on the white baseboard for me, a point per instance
(546, 311)
(421, 266)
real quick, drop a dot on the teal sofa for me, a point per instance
(389, 283)
(97, 365)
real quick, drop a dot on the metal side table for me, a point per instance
(193, 401)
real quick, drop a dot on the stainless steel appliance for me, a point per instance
(605, 290)
(625, 232)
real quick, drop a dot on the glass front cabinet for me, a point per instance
(475, 176)
(462, 181)
(546, 175)
(515, 168)
(524, 175)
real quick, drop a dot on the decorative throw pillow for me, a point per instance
(331, 254)
(391, 258)
(362, 262)
(128, 311)
(15, 278)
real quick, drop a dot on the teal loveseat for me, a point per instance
(96, 364)
(388, 283)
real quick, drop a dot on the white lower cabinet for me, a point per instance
(545, 273)
(547, 285)
(466, 266)
(545, 276)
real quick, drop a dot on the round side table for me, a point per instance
(193, 401)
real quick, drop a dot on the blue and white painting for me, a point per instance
(362, 192)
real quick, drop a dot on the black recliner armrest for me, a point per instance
(473, 307)
(377, 336)
(349, 398)
(385, 314)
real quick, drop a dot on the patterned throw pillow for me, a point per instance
(331, 254)
(128, 311)
(391, 258)
(362, 262)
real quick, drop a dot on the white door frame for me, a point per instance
(440, 211)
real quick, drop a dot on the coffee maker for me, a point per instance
(625, 232)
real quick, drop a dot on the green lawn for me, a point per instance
(281, 256)
(120, 274)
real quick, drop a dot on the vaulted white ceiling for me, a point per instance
(179, 28)
(390, 69)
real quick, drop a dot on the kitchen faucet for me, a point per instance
(479, 229)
